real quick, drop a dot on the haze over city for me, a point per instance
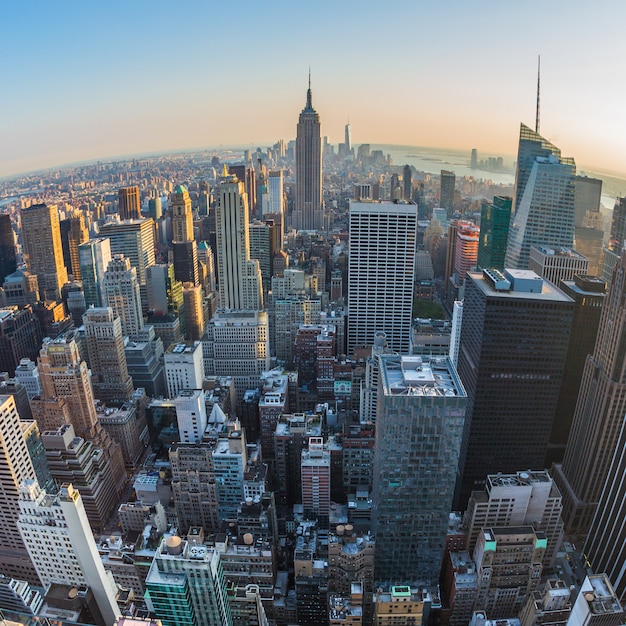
(87, 81)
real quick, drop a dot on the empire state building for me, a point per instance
(308, 213)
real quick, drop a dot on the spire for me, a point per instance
(538, 86)
(309, 102)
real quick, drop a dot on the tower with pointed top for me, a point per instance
(308, 213)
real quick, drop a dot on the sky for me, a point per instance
(86, 80)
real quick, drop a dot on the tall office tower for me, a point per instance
(587, 195)
(236, 344)
(474, 159)
(276, 191)
(315, 477)
(543, 211)
(129, 203)
(164, 292)
(248, 177)
(494, 232)
(288, 315)
(261, 250)
(73, 233)
(193, 486)
(94, 257)
(64, 375)
(618, 222)
(511, 359)
(348, 139)
(605, 546)
(182, 216)
(75, 460)
(185, 257)
(272, 405)
(466, 248)
(16, 467)
(381, 272)
(59, 540)
(521, 499)
(107, 361)
(599, 413)
(190, 415)
(155, 208)
(193, 298)
(28, 374)
(229, 464)
(308, 211)
(121, 292)
(184, 367)
(419, 426)
(446, 193)
(239, 277)
(407, 183)
(588, 293)
(589, 241)
(557, 264)
(43, 253)
(185, 585)
(20, 336)
(508, 565)
(8, 263)
(135, 240)
(596, 604)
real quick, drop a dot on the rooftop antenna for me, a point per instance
(538, 88)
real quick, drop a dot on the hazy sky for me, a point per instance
(94, 79)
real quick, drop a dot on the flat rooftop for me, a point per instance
(549, 293)
(420, 376)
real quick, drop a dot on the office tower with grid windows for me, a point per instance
(122, 294)
(240, 280)
(512, 351)
(43, 252)
(543, 212)
(381, 272)
(599, 413)
(419, 426)
(129, 203)
(94, 256)
(16, 467)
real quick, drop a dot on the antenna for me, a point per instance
(538, 88)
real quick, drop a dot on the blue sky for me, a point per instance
(87, 80)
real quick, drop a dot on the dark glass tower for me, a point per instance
(599, 414)
(511, 358)
(494, 232)
(8, 263)
(308, 213)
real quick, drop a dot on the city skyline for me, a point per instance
(78, 92)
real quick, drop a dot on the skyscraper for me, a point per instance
(16, 468)
(73, 233)
(276, 191)
(129, 203)
(407, 182)
(494, 233)
(182, 217)
(381, 272)
(135, 240)
(543, 212)
(240, 280)
(348, 139)
(8, 263)
(41, 239)
(599, 413)
(121, 292)
(57, 534)
(308, 211)
(512, 352)
(107, 360)
(605, 547)
(446, 196)
(94, 256)
(419, 426)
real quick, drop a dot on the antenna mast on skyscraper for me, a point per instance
(538, 87)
